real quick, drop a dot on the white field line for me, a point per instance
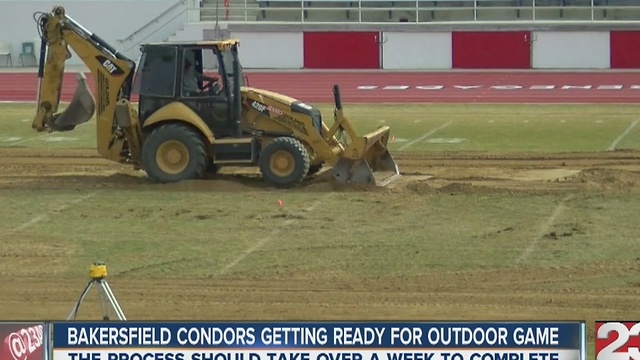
(270, 236)
(624, 133)
(557, 211)
(29, 139)
(39, 218)
(423, 137)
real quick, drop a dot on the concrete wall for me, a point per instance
(440, 50)
(402, 50)
(567, 50)
(282, 50)
(353, 46)
(110, 19)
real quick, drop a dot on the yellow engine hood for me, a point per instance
(260, 94)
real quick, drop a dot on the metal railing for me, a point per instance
(433, 12)
(168, 21)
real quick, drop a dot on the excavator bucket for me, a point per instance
(365, 156)
(367, 161)
(80, 110)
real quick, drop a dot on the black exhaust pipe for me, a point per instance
(237, 93)
(336, 97)
(41, 60)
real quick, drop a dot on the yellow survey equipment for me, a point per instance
(98, 276)
(187, 123)
(98, 271)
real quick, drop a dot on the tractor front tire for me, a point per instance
(284, 162)
(174, 152)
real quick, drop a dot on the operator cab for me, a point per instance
(197, 74)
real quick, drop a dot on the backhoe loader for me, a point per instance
(187, 124)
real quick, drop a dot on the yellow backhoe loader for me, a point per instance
(187, 124)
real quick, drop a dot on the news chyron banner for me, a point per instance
(23, 341)
(319, 341)
(617, 340)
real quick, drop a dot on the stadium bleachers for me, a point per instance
(435, 11)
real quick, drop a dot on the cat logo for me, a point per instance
(112, 68)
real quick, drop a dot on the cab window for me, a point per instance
(156, 75)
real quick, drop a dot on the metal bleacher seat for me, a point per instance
(450, 10)
(504, 10)
(280, 10)
(387, 11)
(628, 10)
(453, 10)
(328, 11)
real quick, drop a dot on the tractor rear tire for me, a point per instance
(174, 152)
(284, 162)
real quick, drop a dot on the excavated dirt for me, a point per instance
(488, 294)
(421, 172)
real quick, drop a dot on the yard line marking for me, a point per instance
(543, 229)
(29, 139)
(270, 237)
(624, 133)
(39, 218)
(406, 146)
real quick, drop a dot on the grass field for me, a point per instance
(493, 128)
(540, 237)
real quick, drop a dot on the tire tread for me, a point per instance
(191, 138)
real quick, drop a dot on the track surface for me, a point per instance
(512, 87)
(490, 294)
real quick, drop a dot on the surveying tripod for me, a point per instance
(98, 273)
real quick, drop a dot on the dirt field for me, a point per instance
(490, 294)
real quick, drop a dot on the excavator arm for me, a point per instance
(118, 133)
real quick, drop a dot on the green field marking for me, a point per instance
(629, 139)
(152, 233)
(343, 233)
(148, 232)
(16, 131)
(471, 127)
(512, 128)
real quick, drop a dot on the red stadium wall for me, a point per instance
(413, 50)
(341, 50)
(624, 49)
(491, 50)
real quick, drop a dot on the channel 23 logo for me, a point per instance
(617, 340)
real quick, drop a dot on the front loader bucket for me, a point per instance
(80, 110)
(367, 161)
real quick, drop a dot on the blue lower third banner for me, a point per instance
(320, 341)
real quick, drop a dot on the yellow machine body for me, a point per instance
(181, 136)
